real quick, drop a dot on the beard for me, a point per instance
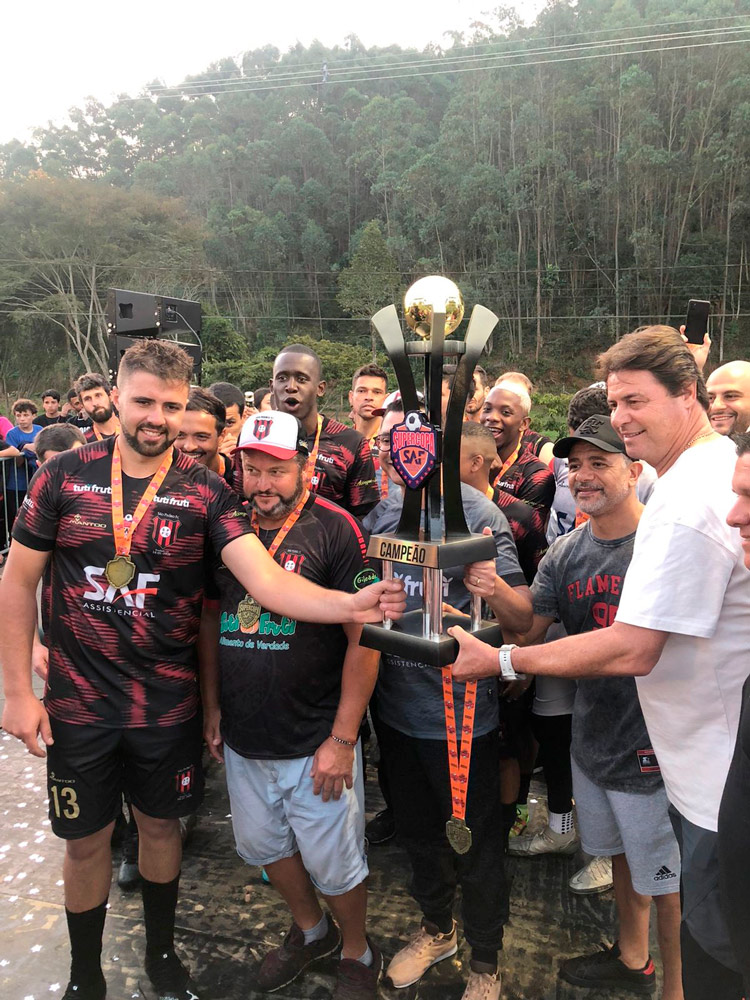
(101, 414)
(603, 502)
(284, 505)
(149, 449)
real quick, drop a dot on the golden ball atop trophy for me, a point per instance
(427, 295)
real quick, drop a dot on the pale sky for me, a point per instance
(56, 54)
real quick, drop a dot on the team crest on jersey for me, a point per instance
(184, 780)
(261, 427)
(164, 530)
(292, 561)
(414, 448)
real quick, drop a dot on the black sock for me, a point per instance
(159, 905)
(85, 931)
(487, 956)
(443, 921)
(523, 791)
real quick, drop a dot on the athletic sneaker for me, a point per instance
(596, 876)
(86, 991)
(483, 983)
(170, 978)
(521, 822)
(282, 965)
(381, 828)
(545, 842)
(425, 949)
(605, 968)
(355, 981)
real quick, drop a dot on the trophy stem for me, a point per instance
(476, 612)
(387, 574)
(432, 618)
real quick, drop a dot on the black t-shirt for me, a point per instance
(344, 468)
(281, 678)
(45, 421)
(81, 422)
(125, 658)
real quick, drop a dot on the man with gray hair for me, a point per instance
(682, 627)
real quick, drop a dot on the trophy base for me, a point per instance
(404, 638)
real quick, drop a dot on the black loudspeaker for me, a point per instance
(132, 316)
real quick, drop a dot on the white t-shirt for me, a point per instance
(687, 578)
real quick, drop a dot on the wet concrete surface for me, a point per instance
(228, 917)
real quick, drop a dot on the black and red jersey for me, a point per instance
(525, 494)
(125, 658)
(344, 468)
(533, 441)
(281, 678)
(90, 435)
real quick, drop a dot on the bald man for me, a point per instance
(729, 397)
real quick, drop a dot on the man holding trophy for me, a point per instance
(453, 549)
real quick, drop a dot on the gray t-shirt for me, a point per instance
(579, 581)
(410, 694)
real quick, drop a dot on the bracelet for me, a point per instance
(507, 672)
(346, 743)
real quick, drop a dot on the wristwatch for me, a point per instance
(507, 673)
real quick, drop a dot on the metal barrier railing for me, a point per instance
(11, 497)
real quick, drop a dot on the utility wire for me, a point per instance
(315, 68)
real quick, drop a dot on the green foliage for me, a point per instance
(549, 413)
(577, 198)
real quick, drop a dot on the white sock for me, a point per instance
(561, 822)
(367, 958)
(318, 931)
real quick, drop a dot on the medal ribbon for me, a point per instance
(459, 760)
(285, 528)
(98, 434)
(490, 493)
(124, 532)
(511, 461)
(310, 477)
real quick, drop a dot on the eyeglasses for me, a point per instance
(383, 442)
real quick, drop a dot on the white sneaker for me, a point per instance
(482, 985)
(596, 876)
(545, 842)
(422, 952)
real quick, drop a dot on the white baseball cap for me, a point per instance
(278, 434)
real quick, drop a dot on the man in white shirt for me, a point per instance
(682, 627)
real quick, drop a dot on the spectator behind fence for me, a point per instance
(19, 473)
(51, 405)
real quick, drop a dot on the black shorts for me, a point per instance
(89, 768)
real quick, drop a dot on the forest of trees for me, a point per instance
(580, 177)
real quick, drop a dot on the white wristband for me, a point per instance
(507, 673)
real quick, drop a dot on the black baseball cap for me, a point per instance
(596, 430)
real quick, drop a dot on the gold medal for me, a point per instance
(458, 834)
(120, 571)
(248, 612)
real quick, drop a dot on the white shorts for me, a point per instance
(637, 826)
(275, 815)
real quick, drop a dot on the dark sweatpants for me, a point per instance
(421, 801)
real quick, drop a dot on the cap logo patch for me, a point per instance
(262, 427)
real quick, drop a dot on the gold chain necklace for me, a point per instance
(699, 437)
